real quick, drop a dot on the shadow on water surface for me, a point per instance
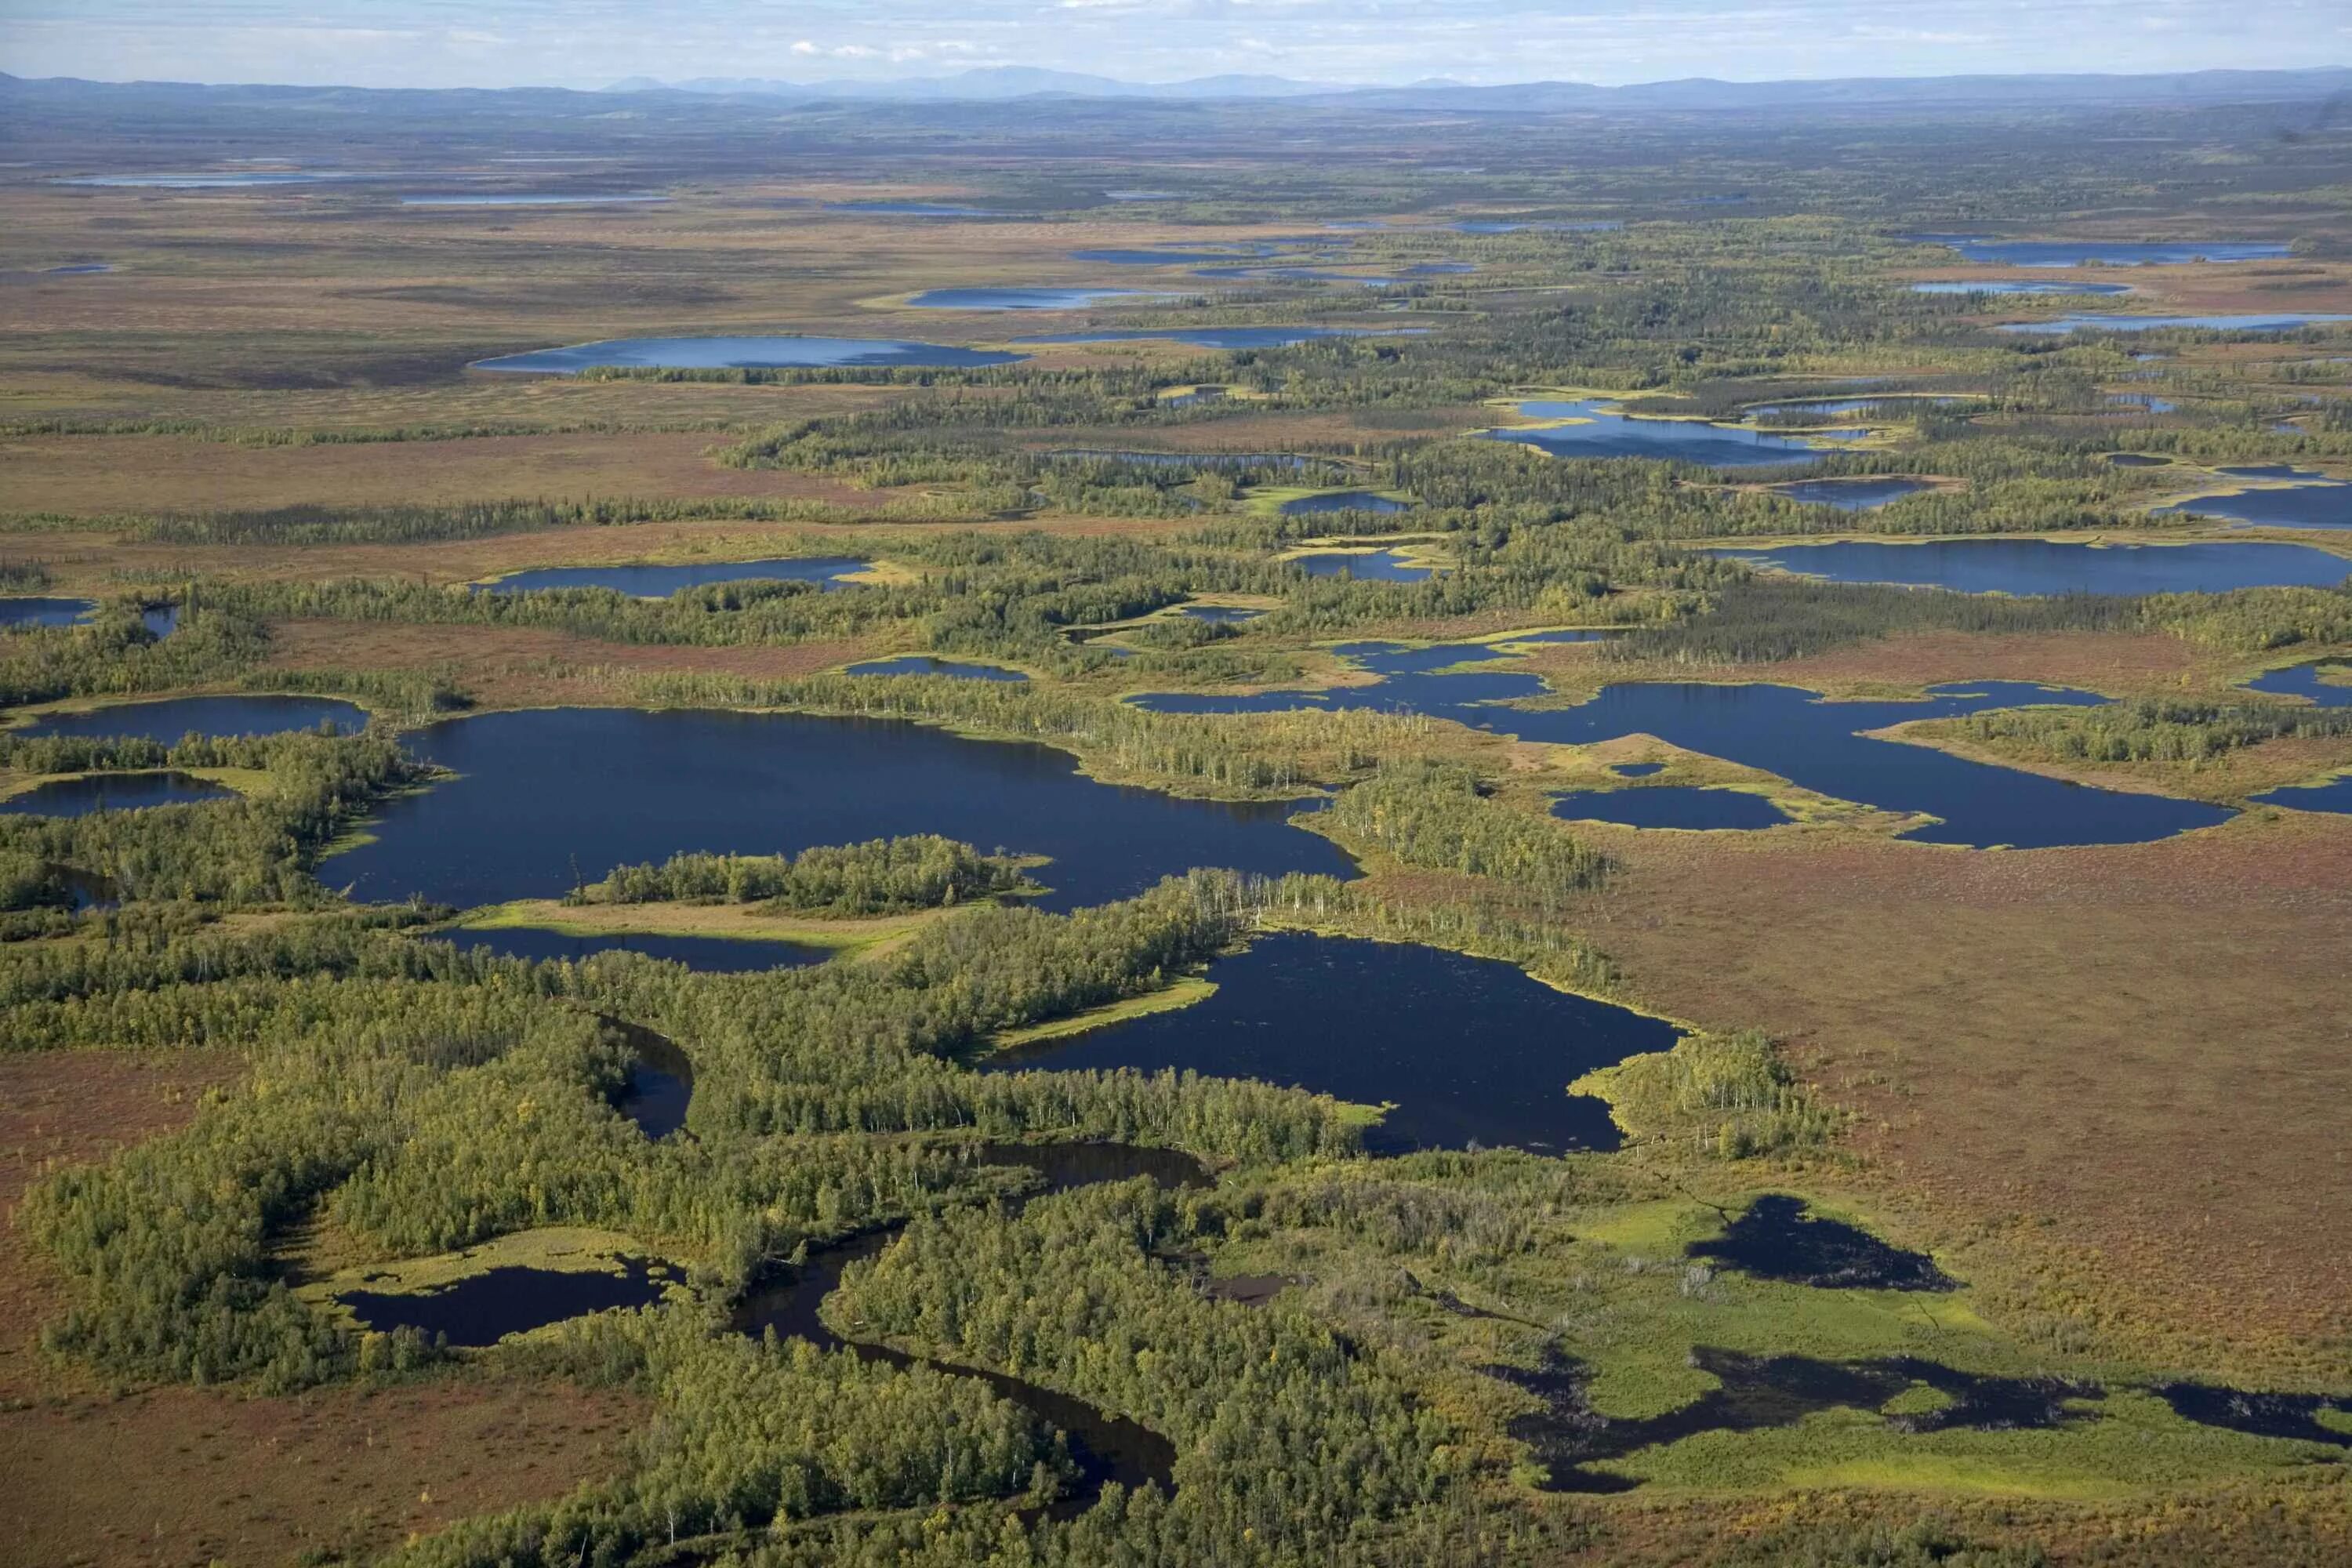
(1776, 1240)
(1759, 1393)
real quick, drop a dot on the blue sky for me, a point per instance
(587, 43)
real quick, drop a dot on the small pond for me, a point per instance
(1670, 805)
(1776, 1240)
(1343, 500)
(1220, 614)
(648, 581)
(2334, 795)
(548, 795)
(2138, 460)
(38, 610)
(1368, 565)
(2043, 567)
(2058, 325)
(1528, 225)
(2311, 500)
(169, 720)
(78, 269)
(924, 664)
(1814, 744)
(660, 1085)
(2014, 285)
(113, 792)
(1038, 298)
(2303, 680)
(1375, 1022)
(1851, 494)
(1170, 257)
(711, 954)
(909, 209)
(2295, 1417)
(483, 1309)
(1599, 433)
(2098, 252)
(739, 353)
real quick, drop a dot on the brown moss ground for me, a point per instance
(2120, 1069)
(95, 476)
(183, 1475)
(520, 667)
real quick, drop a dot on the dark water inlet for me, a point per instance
(1811, 742)
(711, 954)
(113, 792)
(483, 1309)
(548, 796)
(170, 719)
(1671, 805)
(1851, 494)
(646, 581)
(1471, 1051)
(1776, 1240)
(1757, 1392)
(2311, 500)
(1343, 500)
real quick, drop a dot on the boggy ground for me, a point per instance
(2112, 1078)
(165, 1477)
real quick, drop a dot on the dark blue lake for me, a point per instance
(1851, 494)
(36, 610)
(2013, 286)
(1374, 566)
(1601, 434)
(1814, 743)
(548, 797)
(1343, 500)
(2336, 795)
(1023, 298)
(2098, 252)
(923, 664)
(1229, 338)
(739, 353)
(169, 720)
(2138, 460)
(113, 792)
(1377, 1022)
(2042, 567)
(2313, 501)
(1670, 805)
(1220, 614)
(2058, 325)
(2303, 680)
(713, 954)
(656, 582)
(483, 1309)
(529, 201)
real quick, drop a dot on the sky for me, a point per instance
(591, 43)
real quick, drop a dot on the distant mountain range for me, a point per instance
(1007, 82)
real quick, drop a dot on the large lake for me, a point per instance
(549, 798)
(1471, 1051)
(2099, 252)
(2042, 567)
(1599, 433)
(739, 353)
(1814, 744)
(658, 582)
